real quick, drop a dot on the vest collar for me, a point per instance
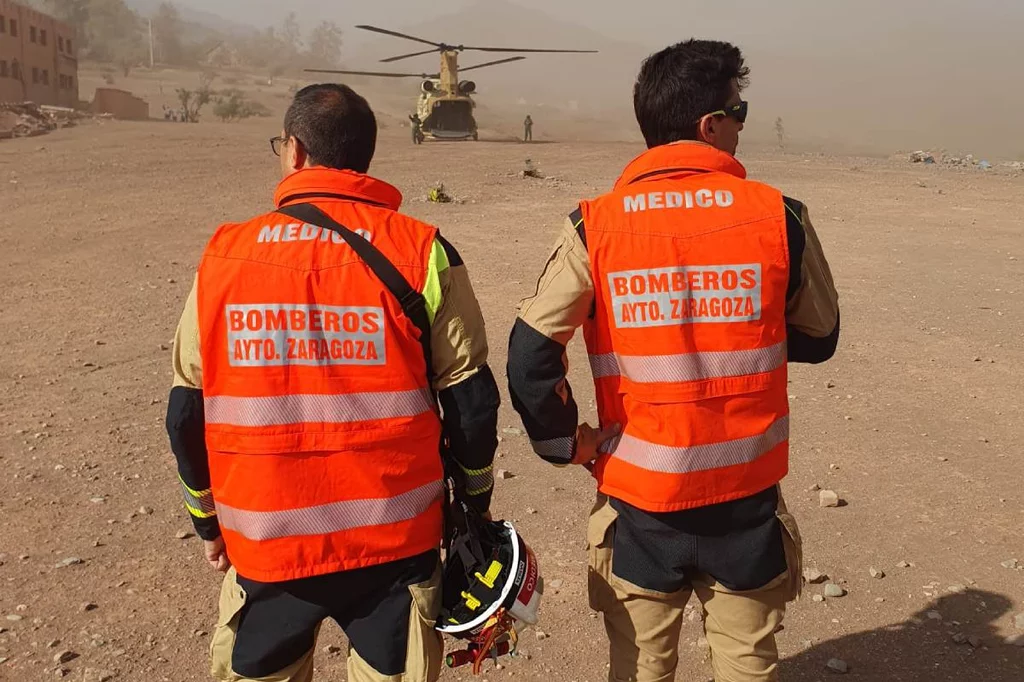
(328, 183)
(680, 157)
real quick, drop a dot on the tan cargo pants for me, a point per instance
(423, 657)
(644, 625)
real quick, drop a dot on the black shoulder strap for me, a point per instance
(414, 305)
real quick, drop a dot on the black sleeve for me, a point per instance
(186, 427)
(803, 347)
(470, 410)
(541, 393)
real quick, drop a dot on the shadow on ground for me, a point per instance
(923, 648)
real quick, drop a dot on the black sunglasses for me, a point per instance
(737, 112)
(276, 143)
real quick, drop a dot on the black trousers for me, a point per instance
(279, 621)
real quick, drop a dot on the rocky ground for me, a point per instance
(905, 476)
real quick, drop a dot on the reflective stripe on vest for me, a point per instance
(315, 409)
(670, 459)
(653, 369)
(329, 518)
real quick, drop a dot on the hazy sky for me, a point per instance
(876, 72)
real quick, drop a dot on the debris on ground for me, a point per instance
(837, 665)
(438, 195)
(814, 576)
(834, 591)
(984, 165)
(828, 498)
(922, 157)
(530, 171)
(28, 119)
(876, 573)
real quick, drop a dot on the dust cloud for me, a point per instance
(868, 76)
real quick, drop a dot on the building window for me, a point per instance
(71, 82)
(3, 68)
(60, 43)
(14, 28)
(3, 24)
(35, 74)
(67, 43)
(46, 77)
(42, 37)
(16, 70)
(32, 34)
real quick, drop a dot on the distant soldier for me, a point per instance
(528, 129)
(417, 129)
(780, 132)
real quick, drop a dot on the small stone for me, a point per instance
(511, 431)
(97, 500)
(200, 633)
(830, 384)
(70, 561)
(61, 672)
(960, 638)
(14, 617)
(21, 608)
(555, 584)
(956, 589)
(183, 535)
(531, 510)
(934, 615)
(838, 665)
(89, 606)
(814, 576)
(817, 598)
(814, 488)
(904, 564)
(1010, 563)
(503, 474)
(828, 498)
(879, 600)
(702, 643)
(164, 346)
(53, 644)
(834, 591)
(146, 511)
(876, 573)
(974, 641)
(65, 656)
(541, 635)
(3, 659)
(1018, 621)
(983, 439)
(943, 459)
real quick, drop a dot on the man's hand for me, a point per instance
(216, 554)
(589, 441)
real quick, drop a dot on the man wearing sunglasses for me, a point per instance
(694, 287)
(303, 414)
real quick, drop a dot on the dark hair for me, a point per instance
(682, 83)
(335, 125)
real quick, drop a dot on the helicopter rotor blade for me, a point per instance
(524, 49)
(396, 34)
(376, 74)
(494, 63)
(406, 56)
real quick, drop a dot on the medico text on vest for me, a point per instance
(702, 198)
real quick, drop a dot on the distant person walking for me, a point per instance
(528, 129)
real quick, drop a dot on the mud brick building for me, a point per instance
(38, 61)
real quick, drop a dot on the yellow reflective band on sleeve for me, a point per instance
(478, 480)
(492, 575)
(198, 502)
(437, 264)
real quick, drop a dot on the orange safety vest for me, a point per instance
(322, 432)
(687, 343)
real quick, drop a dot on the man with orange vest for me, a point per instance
(303, 415)
(694, 287)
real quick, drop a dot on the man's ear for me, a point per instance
(706, 129)
(301, 155)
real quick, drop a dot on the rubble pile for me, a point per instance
(27, 119)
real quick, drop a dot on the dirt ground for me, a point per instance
(915, 423)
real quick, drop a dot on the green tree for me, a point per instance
(325, 45)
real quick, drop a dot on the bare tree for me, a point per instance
(325, 45)
(780, 132)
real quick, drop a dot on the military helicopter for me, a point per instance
(445, 105)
